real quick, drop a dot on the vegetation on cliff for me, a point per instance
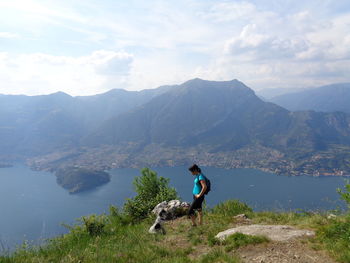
(151, 190)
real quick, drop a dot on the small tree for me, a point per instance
(345, 194)
(150, 190)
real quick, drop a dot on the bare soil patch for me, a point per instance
(295, 251)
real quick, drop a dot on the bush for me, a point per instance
(150, 190)
(336, 237)
(116, 217)
(345, 194)
(232, 208)
(94, 224)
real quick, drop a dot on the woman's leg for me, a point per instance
(200, 217)
(193, 219)
(191, 211)
(196, 206)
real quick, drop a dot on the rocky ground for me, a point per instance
(289, 248)
(291, 251)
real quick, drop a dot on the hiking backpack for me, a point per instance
(208, 183)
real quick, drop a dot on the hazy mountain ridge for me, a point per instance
(34, 125)
(225, 115)
(329, 98)
(218, 123)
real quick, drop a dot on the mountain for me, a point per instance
(268, 94)
(328, 98)
(93, 110)
(34, 125)
(224, 115)
(39, 124)
(222, 124)
(179, 117)
(217, 123)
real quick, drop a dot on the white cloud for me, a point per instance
(39, 73)
(235, 11)
(264, 43)
(298, 49)
(8, 35)
(252, 45)
(43, 8)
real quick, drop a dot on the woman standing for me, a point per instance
(198, 191)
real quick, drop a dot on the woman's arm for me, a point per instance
(204, 188)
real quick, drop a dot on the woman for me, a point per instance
(198, 191)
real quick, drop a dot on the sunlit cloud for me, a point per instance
(43, 74)
(8, 35)
(82, 47)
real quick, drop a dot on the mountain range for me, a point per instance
(329, 98)
(217, 123)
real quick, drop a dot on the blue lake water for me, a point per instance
(33, 206)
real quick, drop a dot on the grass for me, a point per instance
(115, 238)
(335, 236)
(239, 240)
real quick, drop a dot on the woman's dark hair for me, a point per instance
(195, 168)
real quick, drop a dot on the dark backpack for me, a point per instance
(208, 183)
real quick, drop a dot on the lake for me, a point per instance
(33, 206)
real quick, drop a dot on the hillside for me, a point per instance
(123, 242)
(222, 116)
(328, 98)
(268, 94)
(214, 123)
(220, 123)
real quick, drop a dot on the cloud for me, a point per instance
(252, 45)
(83, 47)
(224, 12)
(42, 73)
(111, 63)
(43, 9)
(304, 48)
(8, 35)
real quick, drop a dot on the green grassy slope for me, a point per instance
(113, 238)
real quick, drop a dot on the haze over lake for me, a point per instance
(33, 206)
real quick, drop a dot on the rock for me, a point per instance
(157, 227)
(273, 232)
(331, 216)
(167, 211)
(242, 219)
(171, 210)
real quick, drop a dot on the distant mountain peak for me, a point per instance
(197, 82)
(60, 93)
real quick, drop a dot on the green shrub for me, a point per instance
(336, 237)
(345, 194)
(150, 190)
(94, 224)
(231, 208)
(117, 217)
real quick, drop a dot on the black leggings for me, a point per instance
(196, 205)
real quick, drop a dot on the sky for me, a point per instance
(85, 47)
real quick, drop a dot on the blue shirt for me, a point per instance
(197, 188)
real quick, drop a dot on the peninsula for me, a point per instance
(76, 179)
